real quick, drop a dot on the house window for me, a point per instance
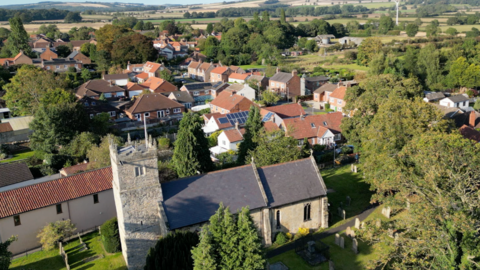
(140, 171)
(278, 219)
(306, 212)
(95, 198)
(16, 220)
(339, 102)
(91, 116)
(338, 137)
(300, 142)
(223, 110)
(112, 114)
(160, 114)
(108, 95)
(273, 84)
(57, 67)
(59, 209)
(224, 142)
(64, 66)
(137, 116)
(76, 66)
(277, 85)
(206, 92)
(218, 76)
(196, 93)
(93, 103)
(177, 110)
(48, 67)
(147, 114)
(86, 104)
(167, 111)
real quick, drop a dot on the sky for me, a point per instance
(146, 2)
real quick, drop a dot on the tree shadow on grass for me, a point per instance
(52, 263)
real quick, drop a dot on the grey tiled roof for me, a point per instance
(317, 79)
(281, 77)
(291, 182)
(329, 87)
(458, 98)
(195, 199)
(12, 173)
(434, 95)
(182, 96)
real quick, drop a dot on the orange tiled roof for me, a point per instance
(219, 70)
(24, 199)
(302, 127)
(339, 92)
(238, 76)
(235, 135)
(228, 101)
(142, 76)
(270, 126)
(287, 110)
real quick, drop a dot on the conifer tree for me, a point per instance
(229, 257)
(203, 255)
(18, 38)
(252, 129)
(282, 16)
(191, 154)
(249, 243)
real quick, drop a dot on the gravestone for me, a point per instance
(342, 242)
(408, 204)
(357, 223)
(355, 169)
(355, 246)
(362, 225)
(349, 200)
(337, 239)
(395, 236)
(331, 265)
(386, 212)
(390, 232)
(349, 232)
(351, 167)
(311, 246)
(378, 223)
(344, 215)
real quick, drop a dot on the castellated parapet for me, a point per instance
(138, 194)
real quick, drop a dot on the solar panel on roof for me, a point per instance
(229, 116)
(267, 117)
(223, 120)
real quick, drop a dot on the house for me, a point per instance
(323, 129)
(238, 77)
(323, 39)
(220, 74)
(141, 72)
(457, 101)
(157, 85)
(61, 64)
(86, 199)
(286, 84)
(95, 107)
(228, 140)
(80, 57)
(155, 107)
(203, 91)
(117, 79)
(95, 88)
(277, 114)
(236, 69)
(336, 99)
(20, 58)
(227, 102)
(42, 42)
(183, 98)
(351, 41)
(15, 129)
(14, 173)
(48, 54)
(133, 89)
(259, 80)
(281, 198)
(200, 71)
(243, 90)
(433, 96)
(313, 83)
(218, 121)
(71, 170)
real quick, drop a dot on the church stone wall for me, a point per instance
(291, 216)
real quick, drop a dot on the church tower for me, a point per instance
(137, 193)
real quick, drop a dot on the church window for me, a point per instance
(306, 212)
(59, 208)
(95, 198)
(16, 220)
(140, 171)
(278, 219)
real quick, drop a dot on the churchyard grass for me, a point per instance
(18, 156)
(93, 258)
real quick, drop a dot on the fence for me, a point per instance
(63, 254)
(127, 126)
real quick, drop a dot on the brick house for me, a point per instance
(155, 106)
(48, 54)
(157, 85)
(220, 74)
(20, 58)
(262, 80)
(94, 88)
(80, 57)
(336, 99)
(228, 102)
(277, 114)
(61, 64)
(313, 83)
(286, 84)
(322, 94)
(200, 71)
(323, 129)
(203, 91)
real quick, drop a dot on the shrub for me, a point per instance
(281, 238)
(289, 236)
(163, 143)
(172, 252)
(318, 147)
(327, 106)
(54, 232)
(302, 232)
(110, 236)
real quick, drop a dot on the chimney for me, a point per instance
(220, 63)
(472, 119)
(278, 70)
(236, 125)
(294, 73)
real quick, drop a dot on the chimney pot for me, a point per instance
(236, 125)
(472, 118)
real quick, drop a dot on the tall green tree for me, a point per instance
(18, 38)
(249, 246)
(191, 154)
(265, 16)
(5, 254)
(282, 16)
(203, 255)
(99, 156)
(274, 148)
(28, 87)
(73, 17)
(56, 125)
(174, 252)
(428, 63)
(209, 29)
(368, 48)
(253, 126)
(386, 24)
(135, 48)
(412, 29)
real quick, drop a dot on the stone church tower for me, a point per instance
(137, 193)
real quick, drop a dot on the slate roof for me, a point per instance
(73, 54)
(198, 86)
(458, 98)
(328, 87)
(12, 173)
(195, 199)
(96, 87)
(434, 96)
(281, 77)
(181, 96)
(109, 77)
(153, 102)
(317, 79)
(291, 182)
(28, 198)
(58, 61)
(287, 110)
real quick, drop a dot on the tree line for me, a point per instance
(275, 10)
(28, 15)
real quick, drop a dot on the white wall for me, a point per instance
(82, 212)
(225, 143)
(247, 92)
(121, 82)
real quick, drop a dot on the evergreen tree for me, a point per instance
(209, 28)
(174, 252)
(203, 255)
(229, 256)
(256, 18)
(265, 16)
(191, 152)
(216, 227)
(5, 254)
(18, 39)
(282, 16)
(252, 129)
(249, 243)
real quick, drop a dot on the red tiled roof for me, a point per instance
(133, 86)
(67, 171)
(234, 135)
(339, 92)
(270, 126)
(238, 76)
(5, 127)
(142, 75)
(287, 110)
(300, 128)
(469, 132)
(24, 199)
(5, 60)
(158, 85)
(152, 67)
(228, 101)
(219, 70)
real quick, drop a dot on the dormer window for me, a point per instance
(325, 123)
(312, 124)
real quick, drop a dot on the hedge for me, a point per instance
(110, 236)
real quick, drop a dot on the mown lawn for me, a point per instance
(94, 258)
(252, 66)
(18, 156)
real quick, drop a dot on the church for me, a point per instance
(281, 197)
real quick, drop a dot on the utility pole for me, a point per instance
(397, 2)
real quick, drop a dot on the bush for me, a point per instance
(172, 252)
(327, 106)
(110, 236)
(318, 147)
(281, 238)
(163, 143)
(302, 232)
(55, 232)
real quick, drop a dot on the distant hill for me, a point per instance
(83, 6)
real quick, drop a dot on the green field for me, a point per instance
(252, 66)
(19, 156)
(376, 5)
(460, 28)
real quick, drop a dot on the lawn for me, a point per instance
(94, 258)
(18, 156)
(252, 66)
(460, 28)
